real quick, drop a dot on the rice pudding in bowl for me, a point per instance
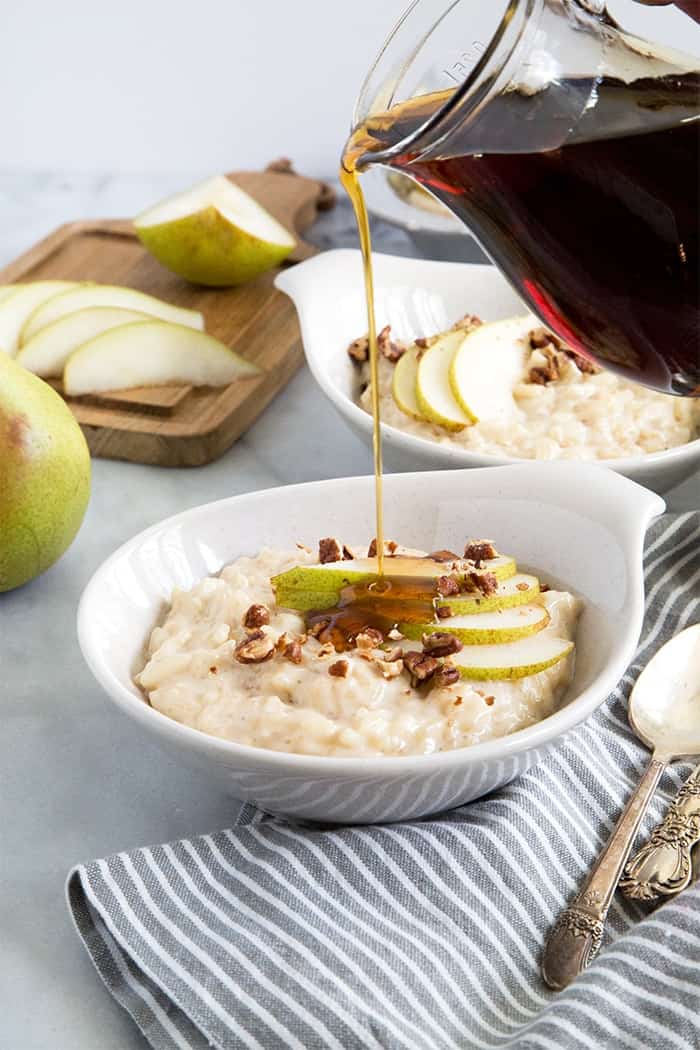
(533, 398)
(275, 653)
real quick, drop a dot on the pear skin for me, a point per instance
(44, 475)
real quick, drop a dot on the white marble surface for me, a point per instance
(76, 779)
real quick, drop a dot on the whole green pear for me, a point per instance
(44, 475)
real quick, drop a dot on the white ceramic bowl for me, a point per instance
(417, 296)
(587, 536)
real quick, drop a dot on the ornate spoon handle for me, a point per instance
(664, 866)
(577, 934)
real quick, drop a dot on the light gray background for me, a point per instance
(167, 85)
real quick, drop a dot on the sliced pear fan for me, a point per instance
(487, 365)
(403, 384)
(107, 295)
(20, 304)
(150, 353)
(434, 394)
(486, 628)
(511, 660)
(47, 352)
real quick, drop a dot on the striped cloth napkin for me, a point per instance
(421, 935)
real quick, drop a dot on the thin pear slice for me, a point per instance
(318, 586)
(433, 391)
(516, 590)
(486, 628)
(107, 295)
(21, 304)
(214, 234)
(5, 290)
(47, 352)
(511, 660)
(487, 365)
(150, 353)
(403, 383)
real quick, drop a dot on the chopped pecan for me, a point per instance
(540, 338)
(444, 677)
(522, 586)
(444, 556)
(391, 668)
(318, 628)
(339, 669)
(420, 666)
(550, 371)
(444, 612)
(390, 548)
(447, 585)
(544, 587)
(347, 554)
(358, 350)
(329, 550)
(582, 363)
(395, 635)
(257, 616)
(467, 323)
(369, 638)
(292, 652)
(485, 582)
(479, 550)
(424, 342)
(489, 700)
(394, 655)
(440, 643)
(255, 649)
(389, 349)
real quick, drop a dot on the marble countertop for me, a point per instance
(77, 780)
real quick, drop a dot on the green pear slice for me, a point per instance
(107, 295)
(486, 628)
(151, 353)
(487, 365)
(214, 234)
(319, 586)
(434, 395)
(47, 352)
(20, 304)
(403, 383)
(511, 660)
(516, 590)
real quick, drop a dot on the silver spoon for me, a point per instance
(664, 712)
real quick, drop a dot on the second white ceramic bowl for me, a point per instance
(587, 537)
(417, 296)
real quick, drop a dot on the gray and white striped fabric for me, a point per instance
(422, 935)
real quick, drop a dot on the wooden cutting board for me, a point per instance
(180, 425)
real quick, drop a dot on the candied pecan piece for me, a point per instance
(358, 350)
(424, 342)
(444, 677)
(391, 668)
(480, 550)
(544, 587)
(467, 323)
(369, 638)
(329, 550)
(547, 373)
(444, 612)
(292, 652)
(420, 666)
(447, 585)
(540, 338)
(486, 582)
(255, 649)
(318, 628)
(387, 347)
(347, 554)
(372, 549)
(440, 643)
(444, 556)
(339, 669)
(582, 363)
(257, 616)
(522, 586)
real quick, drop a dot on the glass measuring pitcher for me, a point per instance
(571, 150)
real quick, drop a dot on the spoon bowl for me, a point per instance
(664, 707)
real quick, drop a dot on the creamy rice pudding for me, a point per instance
(230, 661)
